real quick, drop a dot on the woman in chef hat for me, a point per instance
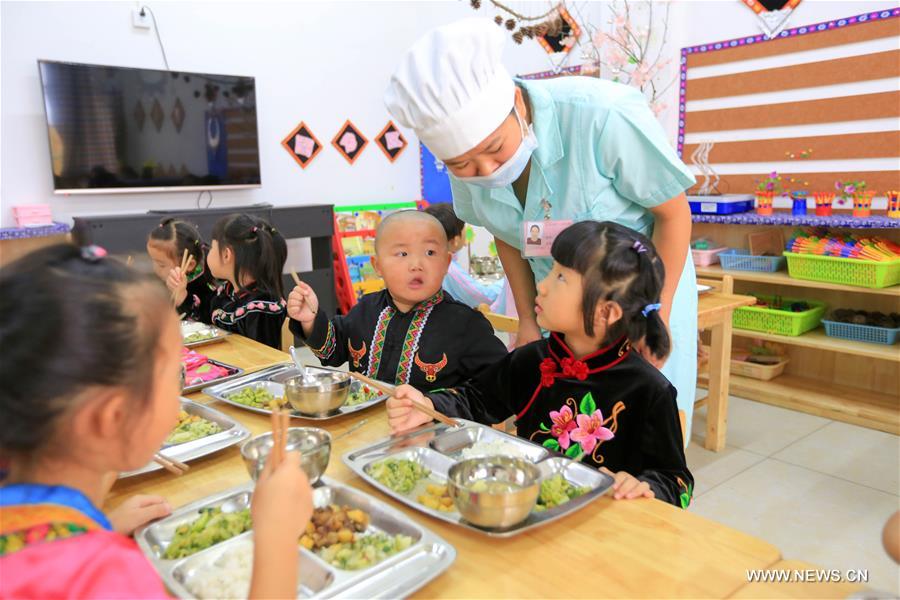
(550, 152)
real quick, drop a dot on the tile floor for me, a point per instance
(817, 489)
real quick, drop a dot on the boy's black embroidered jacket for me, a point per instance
(439, 343)
(613, 405)
(251, 313)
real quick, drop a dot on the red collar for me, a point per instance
(562, 363)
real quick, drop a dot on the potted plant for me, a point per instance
(823, 203)
(766, 191)
(893, 204)
(798, 208)
(855, 192)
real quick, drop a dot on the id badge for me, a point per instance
(538, 236)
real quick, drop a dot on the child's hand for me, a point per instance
(137, 511)
(282, 501)
(281, 509)
(303, 304)
(402, 416)
(627, 487)
(177, 284)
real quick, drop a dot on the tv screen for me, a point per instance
(118, 129)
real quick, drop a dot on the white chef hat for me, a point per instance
(451, 88)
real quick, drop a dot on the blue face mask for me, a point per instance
(509, 171)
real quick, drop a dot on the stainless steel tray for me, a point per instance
(236, 372)
(398, 576)
(189, 327)
(232, 433)
(271, 379)
(439, 446)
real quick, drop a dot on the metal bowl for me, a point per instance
(313, 443)
(494, 508)
(327, 394)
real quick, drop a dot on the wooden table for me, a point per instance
(811, 590)
(639, 548)
(714, 310)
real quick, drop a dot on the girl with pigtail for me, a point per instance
(585, 389)
(248, 255)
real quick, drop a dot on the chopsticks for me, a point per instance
(184, 261)
(295, 277)
(385, 388)
(280, 422)
(170, 464)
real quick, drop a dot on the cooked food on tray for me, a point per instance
(401, 475)
(436, 497)
(365, 551)
(557, 490)
(257, 397)
(191, 427)
(210, 528)
(333, 524)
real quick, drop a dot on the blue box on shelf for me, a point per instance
(740, 260)
(861, 333)
(727, 204)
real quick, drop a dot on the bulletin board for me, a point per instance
(819, 104)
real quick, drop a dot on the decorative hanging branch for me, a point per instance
(630, 52)
(548, 23)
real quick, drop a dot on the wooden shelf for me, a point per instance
(822, 398)
(818, 340)
(782, 278)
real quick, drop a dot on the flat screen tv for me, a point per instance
(115, 129)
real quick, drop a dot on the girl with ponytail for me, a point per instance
(585, 391)
(248, 255)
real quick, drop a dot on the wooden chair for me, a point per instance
(722, 286)
(499, 322)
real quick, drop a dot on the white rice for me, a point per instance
(227, 577)
(494, 448)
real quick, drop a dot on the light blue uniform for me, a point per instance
(601, 155)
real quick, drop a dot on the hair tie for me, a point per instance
(253, 229)
(638, 247)
(272, 230)
(92, 253)
(650, 308)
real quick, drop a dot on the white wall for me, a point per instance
(320, 62)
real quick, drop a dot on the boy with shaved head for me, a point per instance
(412, 331)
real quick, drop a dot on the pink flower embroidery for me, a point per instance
(274, 307)
(563, 423)
(590, 431)
(239, 312)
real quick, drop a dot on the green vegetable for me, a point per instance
(363, 394)
(210, 528)
(190, 428)
(257, 397)
(399, 475)
(557, 490)
(199, 336)
(365, 551)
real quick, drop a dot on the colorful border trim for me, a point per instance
(787, 219)
(21, 233)
(758, 39)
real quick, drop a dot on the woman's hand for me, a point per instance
(627, 487)
(402, 415)
(138, 511)
(529, 331)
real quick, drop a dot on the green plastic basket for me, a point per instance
(848, 271)
(781, 322)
